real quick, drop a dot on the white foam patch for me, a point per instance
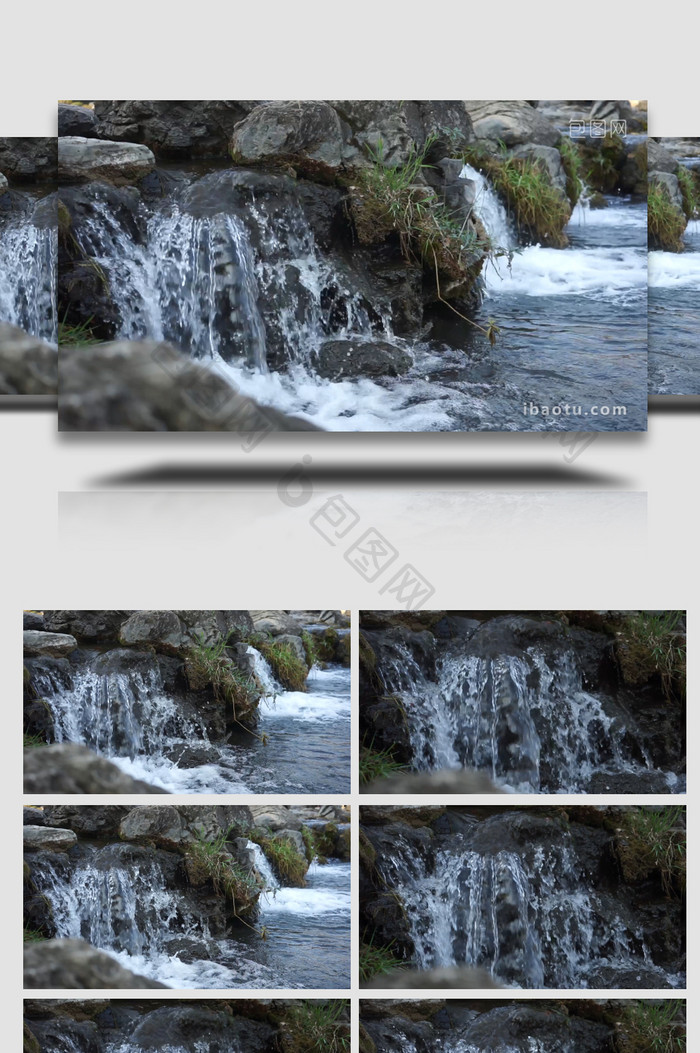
(674, 269)
(612, 216)
(538, 271)
(167, 776)
(301, 705)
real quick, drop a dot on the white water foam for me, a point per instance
(28, 269)
(670, 270)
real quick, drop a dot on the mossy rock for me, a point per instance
(366, 1042)
(368, 854)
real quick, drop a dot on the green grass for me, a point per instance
(654, 840)
(319, 1027)
(573, 166)
(33, 935)
(652, 644)
(689, 183)
(310, 649)
(376, 961)
(208, 665)
(653, 1027)
(666, 224)
(76, 335)
(33, 741)
(538, 208)
(378, 764)
(394, 199)
(285, 663)
(210, 860)
(284, 856)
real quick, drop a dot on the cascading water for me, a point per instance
(129, 911)
(524, 720)
(28, 263)
(130, 717)
(527, 916)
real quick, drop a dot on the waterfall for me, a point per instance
(28, 269)
(219, 284)
(525, 720)
(526, 917)
(263, 672)
(263, 867)
(490, 210)
(118, 714)
(126, 911)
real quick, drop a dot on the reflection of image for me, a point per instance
(356, 266)
(28, 259)
(674, 266)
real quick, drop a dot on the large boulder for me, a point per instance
(3, 183)
(68, 768)
(31, 160)
(28, 366)
(75, 964)
(161, 630)
(173, 129)
(100, 820)
(354, 358)
(150, 386)
(307, 135)
(671, 186)
(102, 626)
(548, 159)
(32, 620)
(391, 132)
(276, 623)
(511, 122)
(47, 645)
(211, 627)
(83, 160)
(659, 159)
(47, 839)
(163, 827)
(76, 120)
(275, 817)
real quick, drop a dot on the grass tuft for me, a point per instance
(33, 935)
(208, 665)
(666, 224)
(76, 335)
(654, 644)
(653, 1027)
(319, 1027)
(376, 961)
(689, 182)
(573, 166)
(378, 764)
(651, 841)
(33, 741)
(286, 664)
(538, 208)
(207, 860)
(284, 856)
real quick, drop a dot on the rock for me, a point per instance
(619, 110)
(672, 186)
(82, 160)
(274, 817)
(395, 131)
(448, 781)
(28, 366)
(31, 160)
(173, 129)
(291, 835)
(67, 768)
(32, 620)
(102, 626)
(353, 358)
(100, 820)
(306, 135)
(33, 817)
(295, 643)
(659, 159)
(47, 645)
(3, 183)
(213, 626)
(513, 123)
(47, 839)
(276, 623)
(164, 827)
(150, 386)
(448, 977)
(161, 630)
(75, 964)
(76, 121)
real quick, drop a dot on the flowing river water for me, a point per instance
(28, 260)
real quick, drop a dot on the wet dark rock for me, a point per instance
(54, 1034)
(101, 820)
(511, 122)
(100, 626)
(38, 644)
(74, 964)
(28, 365)
(353, 358)
(29, 160)
(306, 135)
(173, 130)
(68, 768)
(83, 160)
(47, 839)
(30, 620)
(76, 120)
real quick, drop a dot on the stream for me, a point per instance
(131, 719)
(674, 315)
(28, 260)
(573, 320)
(125, 908)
